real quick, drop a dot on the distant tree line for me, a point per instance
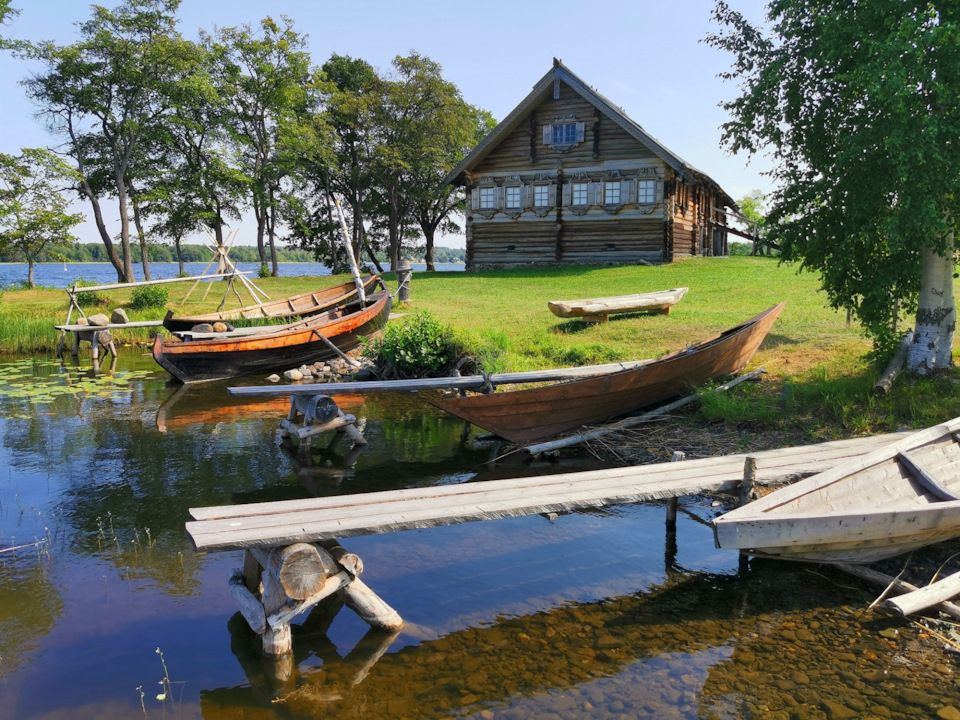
(177, 137)
(167, 253)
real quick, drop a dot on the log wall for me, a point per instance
(675, 225)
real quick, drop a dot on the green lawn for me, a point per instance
(818, 380)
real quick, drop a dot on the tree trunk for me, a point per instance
(428, 231)
(176, 244)
(144, 255)
(30, 283)
(936, 314)
(271, 217)
(128, 275)
(260, 215)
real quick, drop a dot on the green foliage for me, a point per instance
(89, 299)
(859, 105)
(420, 347)
(264, 271)
(149, 296)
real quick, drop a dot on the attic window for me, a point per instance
(564, 134)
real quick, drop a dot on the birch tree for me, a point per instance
(859, 106)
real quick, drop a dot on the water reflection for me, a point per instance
(595, 614)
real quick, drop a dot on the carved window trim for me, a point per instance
(543, 184)
(608, 183)
(579, 194)
(487, 190)
(645, 177)
(564, 134)
(513, 186)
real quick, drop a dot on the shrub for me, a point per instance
(420, 347)
(88, 299)
(149, 296)
(264, 271)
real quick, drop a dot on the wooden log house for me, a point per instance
(568, 178)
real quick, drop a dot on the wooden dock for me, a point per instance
(293, 561)
(233, 527)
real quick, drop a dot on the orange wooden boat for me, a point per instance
(303, 306)
(525, 415)
(296, 344)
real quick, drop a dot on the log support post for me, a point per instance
(277, 584)
(312, 415)
(748, 492)
(673, 503)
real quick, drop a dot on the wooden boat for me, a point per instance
(306, 341)
(304, 305)
(891, 501)
(597, 309)
(525, 415)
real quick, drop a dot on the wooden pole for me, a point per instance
(354, 269)
(674, 502)
(925, 597)
(747, 492)
(894, 367)
(878, 578)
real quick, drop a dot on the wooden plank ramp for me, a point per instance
(274, 524)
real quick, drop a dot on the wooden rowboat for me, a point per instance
(306, 341)
(597, 309)
(525, 415)
(304, 305)
(896, 499)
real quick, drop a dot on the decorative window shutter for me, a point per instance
(475, 198)
(628, 191)
(547, 134)
(594, 191)
(553, 196)
(580, 130)
(500, 199)
(567, 195)
(658, 191)
(526, 196)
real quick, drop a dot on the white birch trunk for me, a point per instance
(936, 315)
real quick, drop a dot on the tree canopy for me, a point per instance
(180, 135)
(859, 106)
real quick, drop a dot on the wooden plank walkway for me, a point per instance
(275, 524)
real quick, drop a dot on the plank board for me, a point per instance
(279, 523)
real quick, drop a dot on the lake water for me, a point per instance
(598, 614)
(54, 275)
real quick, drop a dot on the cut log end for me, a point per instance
(303, 570)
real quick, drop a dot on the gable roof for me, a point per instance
(542, 90)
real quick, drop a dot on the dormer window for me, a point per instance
(564, 134)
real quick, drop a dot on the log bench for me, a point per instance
(293, 560)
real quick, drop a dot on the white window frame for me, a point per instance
(488, 198)
(564, 134)
(541, 196)
(612, 192)
(580, 194)
(646, 192)
(513, 197)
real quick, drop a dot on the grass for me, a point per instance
(818, 381)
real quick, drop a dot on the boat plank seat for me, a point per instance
(926, 477)
(236, 332)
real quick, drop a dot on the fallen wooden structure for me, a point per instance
(266, 532)
(599, 310)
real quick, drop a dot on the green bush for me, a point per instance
(88, 299)
(420, 347)
(149, 296)
(264, 271)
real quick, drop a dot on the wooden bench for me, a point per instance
(293, 559)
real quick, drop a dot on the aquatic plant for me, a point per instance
(420, 347)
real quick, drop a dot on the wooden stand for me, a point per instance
(317, 414)
(277, 584)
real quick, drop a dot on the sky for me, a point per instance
(647, 57)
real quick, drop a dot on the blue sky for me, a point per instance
(645, 56)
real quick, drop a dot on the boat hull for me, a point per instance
(657, 302)
(303, 305)
(305, 342)
(868, 509)
(526, 415)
